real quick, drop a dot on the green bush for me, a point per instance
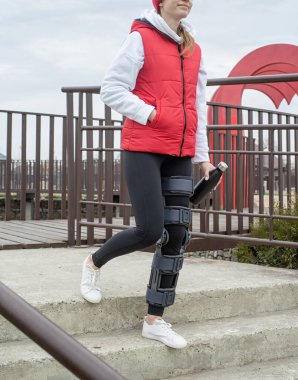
(283, 229)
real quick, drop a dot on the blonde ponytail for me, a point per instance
(188, 41)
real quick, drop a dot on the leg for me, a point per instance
(168, 258)
(142, 171)
(176, 195)
(144, 185)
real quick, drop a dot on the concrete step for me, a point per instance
(49, 279)
(213, 344)
(281, 369)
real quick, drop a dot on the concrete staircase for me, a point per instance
(240, 320)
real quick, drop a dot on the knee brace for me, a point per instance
(163, 265)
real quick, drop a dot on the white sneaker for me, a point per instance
(90, 286)
(160, 330)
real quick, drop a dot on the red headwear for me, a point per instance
(156, 4)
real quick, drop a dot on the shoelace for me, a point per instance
(93, 279)
(93, 276)
(167, 327)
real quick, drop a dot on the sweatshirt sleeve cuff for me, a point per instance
(143, 114)
(202, 157)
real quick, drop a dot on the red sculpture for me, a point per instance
(267, 60)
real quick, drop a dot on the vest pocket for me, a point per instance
(153, 123)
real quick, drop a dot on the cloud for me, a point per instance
(48, 44)
(10, 69)
(53, 43)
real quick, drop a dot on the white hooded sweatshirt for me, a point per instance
(120, 80)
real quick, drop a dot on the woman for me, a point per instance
(158, 82)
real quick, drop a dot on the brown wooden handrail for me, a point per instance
(63, 347)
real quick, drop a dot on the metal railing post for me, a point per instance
(8, 168)
(70, 170)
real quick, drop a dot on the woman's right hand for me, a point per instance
(152, 115)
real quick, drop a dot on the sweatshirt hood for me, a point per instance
(153, 18)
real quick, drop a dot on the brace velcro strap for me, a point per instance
(163, 298)
(177, 215)
(167, 263)
(177, 185)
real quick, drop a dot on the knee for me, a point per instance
(176, 235)
(151, 234)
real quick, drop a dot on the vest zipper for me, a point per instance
(183, 98)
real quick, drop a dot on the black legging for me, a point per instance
(143, 172)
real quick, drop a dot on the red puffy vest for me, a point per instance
(168, 82)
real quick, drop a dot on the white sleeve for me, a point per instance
(202, 148)
(120, 80)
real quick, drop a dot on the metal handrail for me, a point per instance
(211, 82)
(253, 79)
(63, 347)
(249, 108)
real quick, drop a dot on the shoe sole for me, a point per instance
(160, 339)
(90, 300)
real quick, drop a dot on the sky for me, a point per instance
(48, 44)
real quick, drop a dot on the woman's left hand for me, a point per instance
(206, 168)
